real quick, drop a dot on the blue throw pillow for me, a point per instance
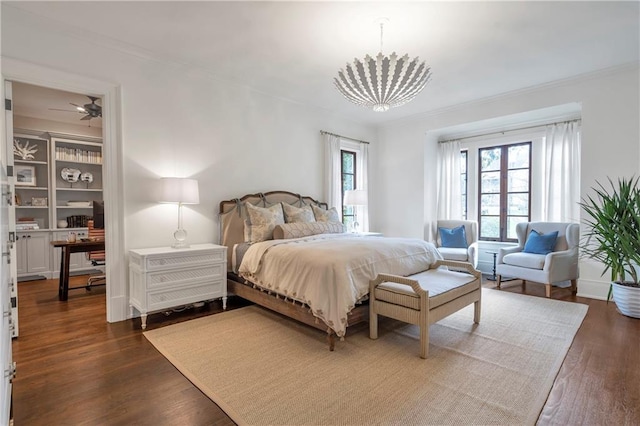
(538, 243)
(453, 238)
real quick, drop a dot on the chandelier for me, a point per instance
(382, 82)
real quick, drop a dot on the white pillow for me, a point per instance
(261, 222)
(297, 214)
(323, 215)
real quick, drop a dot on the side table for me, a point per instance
(495, 256)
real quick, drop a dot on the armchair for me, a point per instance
(468, 254)
(561, 264)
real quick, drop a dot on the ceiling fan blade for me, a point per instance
(86, 117)
(63, 110)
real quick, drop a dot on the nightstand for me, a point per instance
(164, 277)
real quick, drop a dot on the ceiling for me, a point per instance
(293, 50)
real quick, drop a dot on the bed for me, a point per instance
(315, 273)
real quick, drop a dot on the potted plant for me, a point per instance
(613, 238)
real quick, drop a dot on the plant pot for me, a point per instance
(627, 299)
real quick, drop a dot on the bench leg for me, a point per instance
(424, 341)
(373, 323)
(476, 312)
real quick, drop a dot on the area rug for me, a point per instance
(265, 369)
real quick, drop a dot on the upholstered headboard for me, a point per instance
(232, 214)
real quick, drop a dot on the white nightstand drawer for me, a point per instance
(159, 263)
(183, 296)
(176, 277)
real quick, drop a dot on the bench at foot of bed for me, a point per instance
(424, 298)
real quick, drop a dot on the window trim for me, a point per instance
(465, 205)
(354, 175)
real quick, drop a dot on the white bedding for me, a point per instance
(331, 272)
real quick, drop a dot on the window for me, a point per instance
(464, 161)
(504, 191)
(348, 178)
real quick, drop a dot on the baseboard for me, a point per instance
(31, 278)
(118, 308)
(593, 289)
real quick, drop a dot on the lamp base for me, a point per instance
(181, 239)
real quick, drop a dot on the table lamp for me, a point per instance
(181, 191)
(355, 197)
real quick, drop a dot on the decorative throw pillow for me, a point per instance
(297, 214)
(323, 215)
(259, 226)
(453, 238)
(305, 229)
(538, 243)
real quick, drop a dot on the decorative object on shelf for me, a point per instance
(62, 223)
(25, 175)
(355, 198)
(18, 200)
(24, 152)
(39, 201)
(181, 191)
(70, 175)
(382, 82)
(87, 177)
(79, 203)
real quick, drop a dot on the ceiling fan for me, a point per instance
(91, 110)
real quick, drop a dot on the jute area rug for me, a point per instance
(262, 368)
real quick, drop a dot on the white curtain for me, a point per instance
(363, 183)
(449, 198)
(561, 177)
(333, 184)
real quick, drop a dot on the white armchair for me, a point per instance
(559, 265)
(468, 254)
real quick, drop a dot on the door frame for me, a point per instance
(113, 187)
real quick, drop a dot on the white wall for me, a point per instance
(178, 120)
(610, 147)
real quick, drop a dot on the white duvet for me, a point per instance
(331, 272)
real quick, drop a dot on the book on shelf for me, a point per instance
(26, 225)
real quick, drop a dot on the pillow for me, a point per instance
(297, 214)
(305, 229)
(538, 243)
(261, 221)
(323, 215)
(453, 238)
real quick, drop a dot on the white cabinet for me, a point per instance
(162, 278)
(33, 250)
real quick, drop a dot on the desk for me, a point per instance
(65, 258)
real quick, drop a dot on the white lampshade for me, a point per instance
(356, 197)
(179, 190)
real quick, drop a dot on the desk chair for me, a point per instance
(97, 258)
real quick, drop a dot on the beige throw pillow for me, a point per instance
(305, 229)
(261, 222)
(323, 215)
(297, 214)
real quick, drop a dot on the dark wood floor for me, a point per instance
(75, 368)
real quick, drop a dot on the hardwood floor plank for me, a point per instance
(75, 368)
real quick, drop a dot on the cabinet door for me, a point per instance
(21, 252)
(38, 252)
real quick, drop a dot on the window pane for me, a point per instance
(463, 162)
(518, 156)
(490, 204)
(347, 182)
(518, 180)
(490, 183)
(518, 204)
(512, 221)
(348, 221)
(347, 162)
(490, 159)
(489, 227)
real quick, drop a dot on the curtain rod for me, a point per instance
(322, 132)
(511, 130)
